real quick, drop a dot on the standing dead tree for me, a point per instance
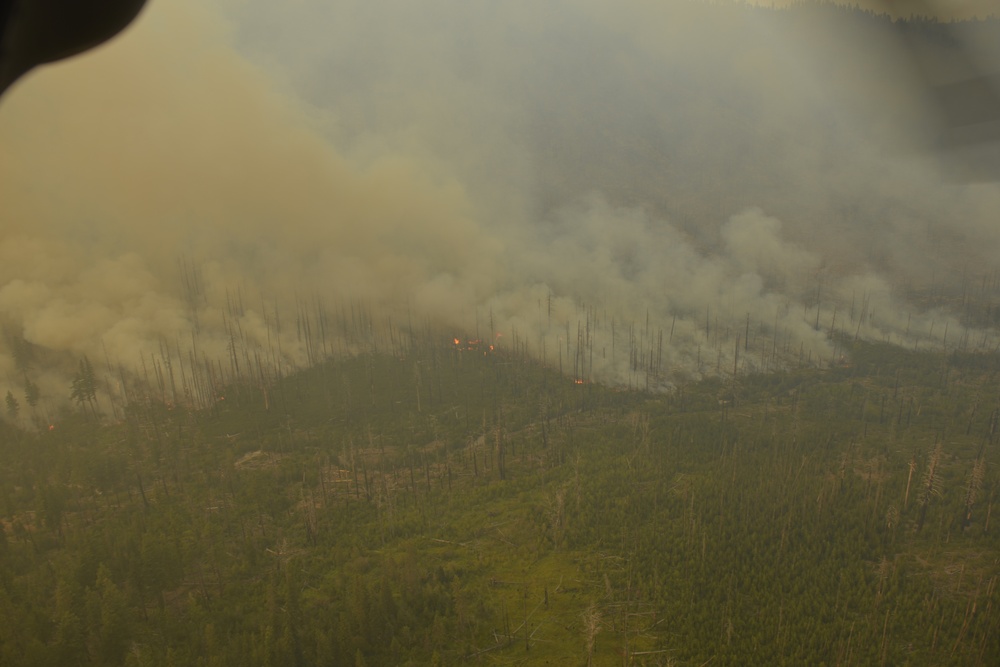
(591, 626)
(974, 487)
(931, 484)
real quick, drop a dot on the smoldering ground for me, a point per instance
(680, 174)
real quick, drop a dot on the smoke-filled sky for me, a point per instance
(942, 9)
(693, 166)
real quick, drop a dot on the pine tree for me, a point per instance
(84, 386)
(111, 630)
(13, 408)
(31, 392)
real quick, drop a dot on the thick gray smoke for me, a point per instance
(620, 186)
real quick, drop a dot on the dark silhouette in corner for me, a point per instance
(35, 32)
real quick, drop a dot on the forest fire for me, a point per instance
(472, 345)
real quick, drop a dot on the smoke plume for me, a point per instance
(633, 189)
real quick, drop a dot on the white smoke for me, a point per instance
(623, 187)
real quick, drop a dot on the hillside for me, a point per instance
(455, 506)
(243, 425)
